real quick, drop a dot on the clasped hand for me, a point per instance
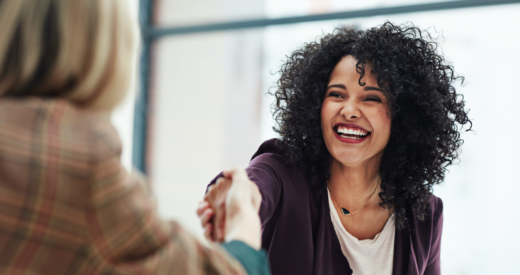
(230, 209)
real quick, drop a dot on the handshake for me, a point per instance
(230, 209)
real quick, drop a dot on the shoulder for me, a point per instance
(79, 133)
(271, 158)
(436, 208)
(270, 151)
(271, 169)
(104, 136)
(431, 220)
(91, 129)
(270, 146)
(430, 225)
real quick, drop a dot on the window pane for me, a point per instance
(206, 94)
(196, 12)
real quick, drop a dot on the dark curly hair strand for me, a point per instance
(427, 113)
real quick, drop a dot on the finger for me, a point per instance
(203, 205)
(220, 221)
(206, 217)
(208, 232)
(210, 187)
(210, 193)
(222, 230)
(222, 235)
(219, 181)
(225, 184)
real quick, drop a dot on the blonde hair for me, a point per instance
(81, 50)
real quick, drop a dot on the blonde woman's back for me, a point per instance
(67, 205)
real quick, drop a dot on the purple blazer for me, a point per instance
(298, 234)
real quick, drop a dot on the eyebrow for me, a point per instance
(337, 86)
(366, 88)
(372, 88)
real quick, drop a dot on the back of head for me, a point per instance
(81, 50)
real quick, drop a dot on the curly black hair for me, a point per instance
(427, 113)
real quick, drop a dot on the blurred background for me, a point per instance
(200, 104)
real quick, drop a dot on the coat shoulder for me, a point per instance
(270, 146)
(436, 206)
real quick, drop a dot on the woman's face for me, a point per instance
(355, 119)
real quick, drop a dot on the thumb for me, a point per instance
(237, 172)
(239, 196)
(243, 187)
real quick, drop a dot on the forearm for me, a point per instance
(244, 226)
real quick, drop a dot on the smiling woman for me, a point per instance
(359, 113)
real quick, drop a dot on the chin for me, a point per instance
(346, 158)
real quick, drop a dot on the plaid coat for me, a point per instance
(67, 206)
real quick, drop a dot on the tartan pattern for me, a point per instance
(67, 206)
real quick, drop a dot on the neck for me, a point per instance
(354, 182)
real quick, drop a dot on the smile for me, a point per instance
(351, 133)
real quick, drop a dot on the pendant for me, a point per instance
(345, 211)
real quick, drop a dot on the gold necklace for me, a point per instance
(343, 209)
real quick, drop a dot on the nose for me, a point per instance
(350, 110)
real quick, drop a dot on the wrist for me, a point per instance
(244, 226)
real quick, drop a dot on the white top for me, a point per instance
(366, 257)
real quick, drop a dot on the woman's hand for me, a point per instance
(230, 209)
(212, 211)
(206, 214)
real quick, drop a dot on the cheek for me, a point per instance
(325, 116)
(387, 128)
(383, 122)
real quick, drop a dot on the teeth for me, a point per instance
(351, 131)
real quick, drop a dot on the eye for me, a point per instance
(373, 98)
(335, 94)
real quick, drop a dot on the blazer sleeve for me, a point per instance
(126, 234)
(265, 170)
(433, 266)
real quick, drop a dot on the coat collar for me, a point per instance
(403, 251)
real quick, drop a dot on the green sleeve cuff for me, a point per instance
(254, 262)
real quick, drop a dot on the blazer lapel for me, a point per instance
(402, 247)
(405, 260)
(413, 268)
